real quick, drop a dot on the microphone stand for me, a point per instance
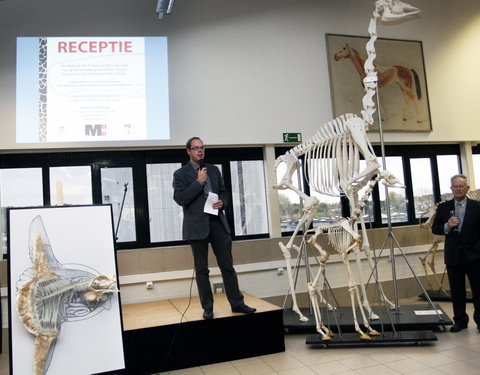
(121, 209)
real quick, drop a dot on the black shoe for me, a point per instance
(243, 309)
(457, 327)
(208, 314)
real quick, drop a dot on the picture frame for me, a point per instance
(56, 252)
(402, 84)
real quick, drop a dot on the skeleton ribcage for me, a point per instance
(331, 156)
(47, 299)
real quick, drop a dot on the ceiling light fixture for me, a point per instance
(164, 7)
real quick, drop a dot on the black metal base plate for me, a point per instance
(407, 317)
(438, 295)
(387, 338)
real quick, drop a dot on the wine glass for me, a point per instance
(452, 214)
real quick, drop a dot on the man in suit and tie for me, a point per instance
(192, 184)
(459, 220)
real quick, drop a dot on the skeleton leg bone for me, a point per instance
(325, 332)
(432, 265)
(423, 260)
(322, 265)
(355, 247)
(310, 203)
(355, 298)
(287, 255)
(316, 295)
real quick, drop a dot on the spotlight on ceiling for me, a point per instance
(164, 7)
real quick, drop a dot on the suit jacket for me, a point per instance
(467, 241)
(188, 193)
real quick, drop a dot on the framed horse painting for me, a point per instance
(402, 84)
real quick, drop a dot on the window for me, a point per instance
(117, 190)
(249, 198)
(476, 170)
(449, 167)
(165, 215)
(328, 210)
(290, 208)
(19, 187)
(476, 164)
(368, 213)
(422, 185)
(71, 185)
(396, 196)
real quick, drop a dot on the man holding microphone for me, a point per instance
(200, 190)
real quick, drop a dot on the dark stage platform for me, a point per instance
(407, 317)
(438, 295)
(156, 341)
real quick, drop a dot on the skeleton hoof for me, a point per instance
(373, 332)
(325, 337)
(330, 333)
(364, 336)
(303, 318)
(373, 316)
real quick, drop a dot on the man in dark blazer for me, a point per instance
(459, 220)
(192, 184)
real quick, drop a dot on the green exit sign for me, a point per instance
(292, 137)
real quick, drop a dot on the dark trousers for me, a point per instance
(456, 279)
(222, 248)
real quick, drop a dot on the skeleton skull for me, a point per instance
(395, 9)
(99, 286)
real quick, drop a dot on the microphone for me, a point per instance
(201, 163)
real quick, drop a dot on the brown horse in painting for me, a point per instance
(401, 75)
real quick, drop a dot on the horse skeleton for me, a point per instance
(332, 167)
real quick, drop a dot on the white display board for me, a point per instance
(78, 245)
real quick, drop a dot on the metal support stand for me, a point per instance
(121, 210)
(390, 236)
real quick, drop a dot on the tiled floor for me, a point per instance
(453, 353)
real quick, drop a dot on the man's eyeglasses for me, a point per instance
(197, 148)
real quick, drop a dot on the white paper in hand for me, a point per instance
(211, 199)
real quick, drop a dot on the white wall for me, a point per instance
(244, 72)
